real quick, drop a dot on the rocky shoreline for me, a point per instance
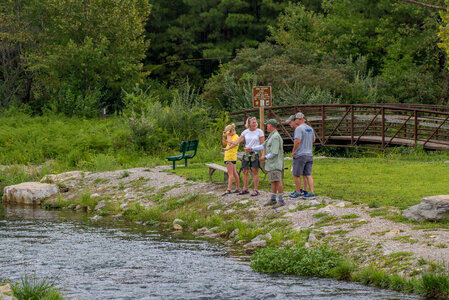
(369, 236)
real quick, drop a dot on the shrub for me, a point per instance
(156, 127)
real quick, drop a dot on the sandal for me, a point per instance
(244, 192)
(226, 193)
(255, 193)
(236, 192)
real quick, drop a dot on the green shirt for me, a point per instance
(275, 145)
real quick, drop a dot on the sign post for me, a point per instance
(262, 99)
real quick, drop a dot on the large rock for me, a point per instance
(431, 208)
(28, 192)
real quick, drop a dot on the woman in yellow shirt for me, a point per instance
(230, 157)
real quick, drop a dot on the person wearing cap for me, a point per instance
(274, 162)
(291, 121)
(303, 157)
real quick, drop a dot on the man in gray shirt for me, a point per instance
(303, 157)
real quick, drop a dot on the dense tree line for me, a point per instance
(77, 56)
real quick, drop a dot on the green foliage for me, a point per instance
(138, 212)
(88, 202)
(31, 288)
(297, 75)
(87, 61)
(436, 286)
(354, 52)
(182, 30)
(299, 261)
(155, 127)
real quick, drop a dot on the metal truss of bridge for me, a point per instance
(371, 126)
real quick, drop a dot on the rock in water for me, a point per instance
(431, 208)
(28, 192)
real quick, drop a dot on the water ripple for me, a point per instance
(119, 260)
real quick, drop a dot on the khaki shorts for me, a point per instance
(275, 175)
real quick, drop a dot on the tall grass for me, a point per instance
(30, 288)
(299, 261)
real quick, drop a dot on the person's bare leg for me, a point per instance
(230, 175)
(236, 177)
(255, 178)
(309, 183)
(306, 184)
(245, 179)
(297, 183)
(280, 187)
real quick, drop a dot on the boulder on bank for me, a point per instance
(431, 208)
(28, 193)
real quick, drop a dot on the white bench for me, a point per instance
(215, 167)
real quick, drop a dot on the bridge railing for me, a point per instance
(364, 125)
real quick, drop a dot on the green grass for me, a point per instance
(31, 288)
(376, 182)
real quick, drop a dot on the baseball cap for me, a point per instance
(272, 122)
(289, 119)
(299, 115)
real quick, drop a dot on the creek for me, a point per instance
(111, 259)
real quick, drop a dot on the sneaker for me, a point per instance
(309, 195)
(294, 195)
(270, 203)
(279, 204)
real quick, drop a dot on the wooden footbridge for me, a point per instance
(371, 126)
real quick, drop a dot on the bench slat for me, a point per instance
(217, 167)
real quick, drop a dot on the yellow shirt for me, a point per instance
(231, 155)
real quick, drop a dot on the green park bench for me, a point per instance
(186, 146)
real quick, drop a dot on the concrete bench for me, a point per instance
(215, 167)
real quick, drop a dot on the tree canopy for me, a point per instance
(77, 56)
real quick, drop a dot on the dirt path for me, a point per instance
(365, 234)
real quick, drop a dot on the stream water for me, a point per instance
(110, 259)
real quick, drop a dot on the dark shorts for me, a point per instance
(250, 160)
(302, 166)
(230, 162)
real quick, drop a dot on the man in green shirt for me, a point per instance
(274, 162)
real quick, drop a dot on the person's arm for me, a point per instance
(297, 142)
(274, 148)
(262, 140)
(256, 148)
(234, 144)
(296, 146)
(224, 139)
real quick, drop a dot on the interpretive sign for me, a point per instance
(262, 96)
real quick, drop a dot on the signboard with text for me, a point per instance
(262, 96)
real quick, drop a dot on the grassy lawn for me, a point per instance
(373, 181)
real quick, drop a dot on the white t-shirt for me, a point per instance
(252, 138)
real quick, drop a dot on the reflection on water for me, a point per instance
(113, 259)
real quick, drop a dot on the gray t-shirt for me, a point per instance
(304, 133)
